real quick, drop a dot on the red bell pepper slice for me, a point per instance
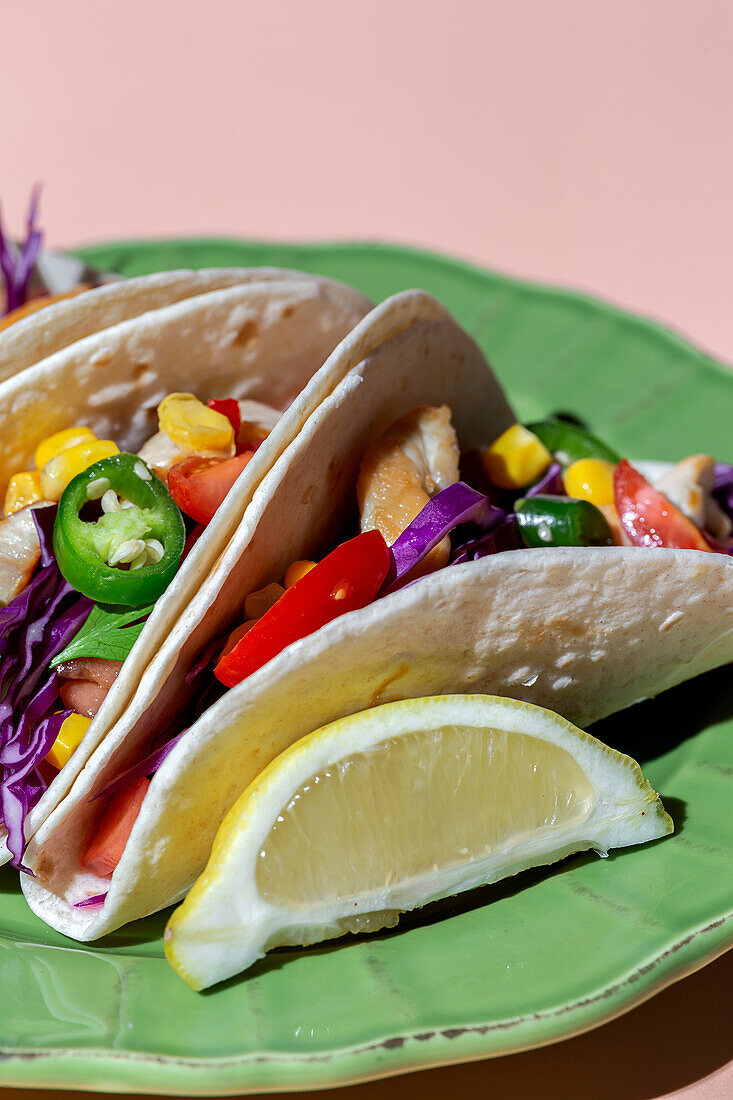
(229, 408)
(648, 518)
(348, 578)
(198, 485)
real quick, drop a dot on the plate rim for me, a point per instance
(254, 1073)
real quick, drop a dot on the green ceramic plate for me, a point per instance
(510, 967)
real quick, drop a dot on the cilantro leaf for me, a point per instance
(109, 633)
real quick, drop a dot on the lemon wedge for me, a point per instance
(395, 807)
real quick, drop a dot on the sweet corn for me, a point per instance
(69, 738)
(195, 427)
(296, 571)
(59, 442)
(590, 479)
(57, 473)
(516, 458)
(236, 635)
(23, 489)
(260, 602)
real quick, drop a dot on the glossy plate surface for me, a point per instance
(527, 962)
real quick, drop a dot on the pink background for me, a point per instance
(581, 143)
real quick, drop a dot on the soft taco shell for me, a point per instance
(296, 507)
(56, 325)
(586, 632)
(114, 380)
(269, 358)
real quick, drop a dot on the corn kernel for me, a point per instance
(23, 489)
(68, 740)
(516, 458)
(57, 473)
(296, 571)
(259, 603)
(59, 442)
(195, 427)
(590, 479)
(236, 635)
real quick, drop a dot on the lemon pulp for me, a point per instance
(415, 804)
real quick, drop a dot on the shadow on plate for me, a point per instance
(9, 880)
(656, 726)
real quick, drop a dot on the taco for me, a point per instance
(429, 359)
(533, 599)
(78, 563)
(27, 338)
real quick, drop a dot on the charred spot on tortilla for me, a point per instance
(287, 311)
(563, 625)
(44, 868)
(247, 334)
(102, 358)
(378, 695)
(139, 371)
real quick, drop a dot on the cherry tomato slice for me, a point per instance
(199, 485)
(348, 578)
(648, 518)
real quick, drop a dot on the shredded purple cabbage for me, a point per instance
(205, 658)
(95, 899)
(17, 265)
(722, 476)
(147, 766)
(457, 504)
(34, 627)
(505, 536)
(723, 487)
(550, 484)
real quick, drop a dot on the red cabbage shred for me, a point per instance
(451, 507)
(16, 266)
(34, 627)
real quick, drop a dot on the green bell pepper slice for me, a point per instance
(569, 442)
(561, 521)
(112, 559)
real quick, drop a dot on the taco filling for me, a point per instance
(422, 507)
(89, 541)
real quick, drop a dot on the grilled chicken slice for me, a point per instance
(689, 485)
(20, 550)
(415, 458)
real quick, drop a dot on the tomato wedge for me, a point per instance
(199, 485)
(348, 578)
(229, 408)
(107, 843)
(648, 518)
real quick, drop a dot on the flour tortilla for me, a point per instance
(585, 632)
(297, 506)
(262, 340)
(63, 323)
